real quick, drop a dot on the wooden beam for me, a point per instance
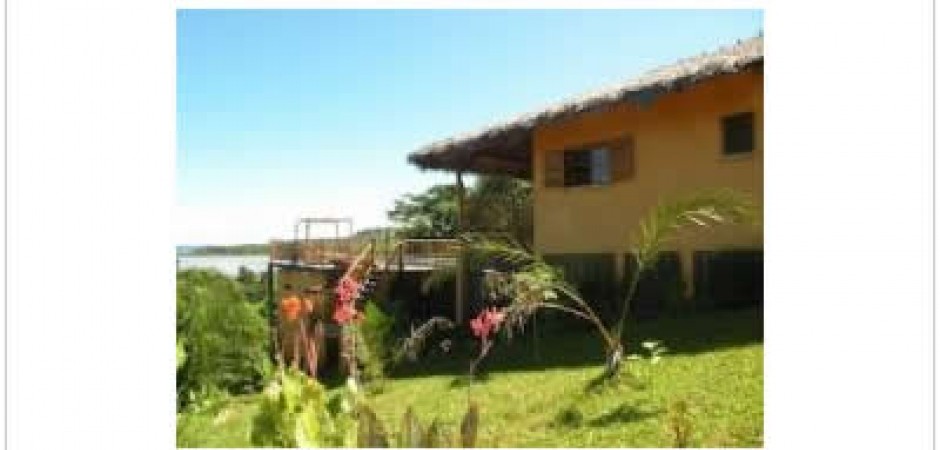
(459, 304)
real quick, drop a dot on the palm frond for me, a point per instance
(703, 209)
(503, 247)
(412, 345)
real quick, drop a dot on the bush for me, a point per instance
(294, 412)
(253, 284)
(377, 335)
(224, 337)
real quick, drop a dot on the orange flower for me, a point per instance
(290, 308)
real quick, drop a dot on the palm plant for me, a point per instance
(534, 284)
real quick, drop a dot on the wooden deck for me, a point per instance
(410, 255)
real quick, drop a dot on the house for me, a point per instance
(599, 161)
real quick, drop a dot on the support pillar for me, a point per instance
(688, 280)
(461, 282)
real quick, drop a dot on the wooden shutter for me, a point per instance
(555, 169)
(622, 159)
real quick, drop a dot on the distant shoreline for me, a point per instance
(224, 250)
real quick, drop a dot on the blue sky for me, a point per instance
(290, 113)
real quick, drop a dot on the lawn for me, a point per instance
(539, 393)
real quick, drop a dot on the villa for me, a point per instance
(599, 161)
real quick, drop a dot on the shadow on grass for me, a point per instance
(625, 413)
(601, 383)
(568, 345)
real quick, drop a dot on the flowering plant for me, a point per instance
(535, 284)
(486, 323)
(347, 290)
(290, 308)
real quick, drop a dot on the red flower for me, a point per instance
(486, 322)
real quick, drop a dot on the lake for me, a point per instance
(227, 264)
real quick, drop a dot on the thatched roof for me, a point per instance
(505, 147)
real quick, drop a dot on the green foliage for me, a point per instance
(377, 333)
(533, 284)
(718, 370)
(542, 402)
(492, 204)
(224, 337)
(415, 343)
(668, 219)
(293, 412)
(412, 434)
(431, 214)
(702, 209)
(253, 284)
(180, 354)
(501, 204)
(212, 420)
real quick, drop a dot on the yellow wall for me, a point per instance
(677, 150)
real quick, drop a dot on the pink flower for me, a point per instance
(344, 307)
(496, 317)
(486, 322)
(347, 289)
(479, 327)
(345, 313)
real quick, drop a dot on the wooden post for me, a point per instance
(687, 264)
(461, 291)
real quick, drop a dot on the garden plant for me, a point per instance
(534, 284)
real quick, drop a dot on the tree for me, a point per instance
(501, 204)
(222, 338)
(431, 214)
(492, 204)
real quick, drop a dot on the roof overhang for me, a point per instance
(506, 148)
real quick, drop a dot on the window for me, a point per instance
(600, 164)
(587, 167)
(737, 132)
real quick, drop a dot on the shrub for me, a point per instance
(253, 284)
(294, 412)
(376, 331)
(224, 337)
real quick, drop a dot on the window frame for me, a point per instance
(587, 153)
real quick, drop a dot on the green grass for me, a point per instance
(542, 396)
(225, 425)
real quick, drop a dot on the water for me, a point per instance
(227, 264)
